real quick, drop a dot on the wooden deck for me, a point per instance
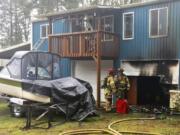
(84, 44)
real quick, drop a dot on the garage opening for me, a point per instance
(151, 92)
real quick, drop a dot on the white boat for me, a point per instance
(24, 70)
(36, 76)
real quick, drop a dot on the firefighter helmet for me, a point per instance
(110, 70)
(120, 69)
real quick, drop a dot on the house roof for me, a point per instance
(146, 3)
(73, 11)
(42, 19)
(7, 53)
(86, 9)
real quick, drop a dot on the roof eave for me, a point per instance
(74, 11)
(91, 8)
(145, 3)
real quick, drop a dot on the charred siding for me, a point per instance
(144, 48)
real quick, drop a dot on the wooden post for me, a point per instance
(49, 33)
(65, 46)
(50, 43)
(82, 45)
(50, 26)
(98, 65)
(98, 69)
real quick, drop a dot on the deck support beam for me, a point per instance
(98, 67)
(50, 33)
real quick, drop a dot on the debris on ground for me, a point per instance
(149, 109)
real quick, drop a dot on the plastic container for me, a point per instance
(122, 106)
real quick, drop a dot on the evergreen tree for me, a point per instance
(15, 15)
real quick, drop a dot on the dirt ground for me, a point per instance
(13, 126)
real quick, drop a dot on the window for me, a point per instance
(158, 25)
(44, 30)
(88, 23)
(107, 24)
(44, 67)
(56, 67)
(128, 26)
(5, 72)
(14, 68)
(29, 66)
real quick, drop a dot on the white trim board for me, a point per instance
(158, 9)
(123, 27)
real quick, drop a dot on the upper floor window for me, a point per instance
(128, 26)
(107, 24)
(44, 29)
(158, 22)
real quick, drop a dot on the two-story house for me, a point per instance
(142, 38)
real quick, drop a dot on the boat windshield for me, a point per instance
(33, 66)
(42, 74)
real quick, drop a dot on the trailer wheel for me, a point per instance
(16, 110)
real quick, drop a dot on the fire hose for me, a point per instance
(110, 130)
(131, 132)
(88, 131)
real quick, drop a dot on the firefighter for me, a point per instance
(109, 88)
(122, 84)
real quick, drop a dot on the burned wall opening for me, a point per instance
(167, 70)
(150, 91)
(154, 80)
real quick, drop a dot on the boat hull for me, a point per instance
(14, 88)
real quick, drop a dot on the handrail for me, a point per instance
(73, 33)
(84, 44)
(84, 32)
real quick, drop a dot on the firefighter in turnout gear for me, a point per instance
(109, 88)
(122, 84)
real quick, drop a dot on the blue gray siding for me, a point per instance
(144, 48)
(36, 35)
(59, 26)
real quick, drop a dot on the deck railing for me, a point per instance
(84, 44)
